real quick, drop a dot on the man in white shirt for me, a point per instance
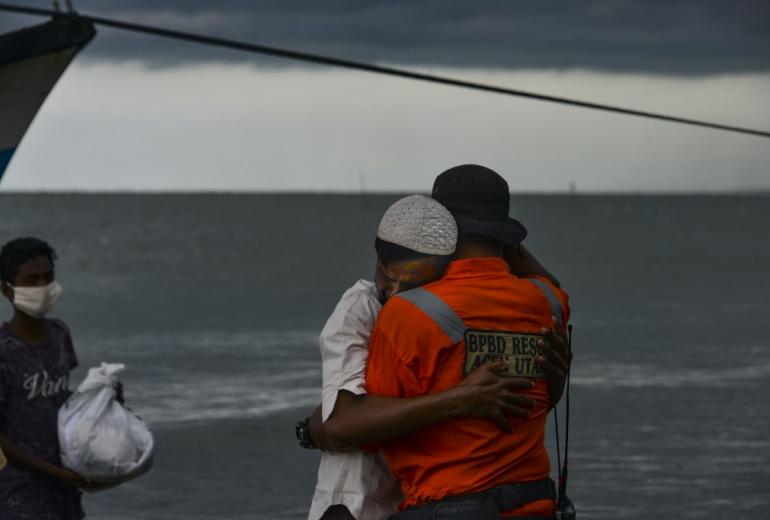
(352, 484)
(415, 240)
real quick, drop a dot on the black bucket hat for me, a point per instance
(479, 200)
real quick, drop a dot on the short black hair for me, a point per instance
(479, 240)
(390, 253)
(18, 251)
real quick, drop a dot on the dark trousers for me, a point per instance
(337, 512)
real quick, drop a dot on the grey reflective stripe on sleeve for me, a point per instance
(438, 310)
(551, 297)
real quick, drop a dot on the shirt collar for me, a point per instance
(468, 267)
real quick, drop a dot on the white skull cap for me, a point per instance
(421, 224)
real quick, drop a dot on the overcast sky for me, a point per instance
(140, 113)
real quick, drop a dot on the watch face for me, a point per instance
(303, 434)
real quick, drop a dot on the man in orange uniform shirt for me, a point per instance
(425, 341)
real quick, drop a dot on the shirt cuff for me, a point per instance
(329, 398)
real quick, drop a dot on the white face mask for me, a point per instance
(36, 301)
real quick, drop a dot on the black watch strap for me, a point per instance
(303, 434)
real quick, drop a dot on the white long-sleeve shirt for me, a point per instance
(358, 480)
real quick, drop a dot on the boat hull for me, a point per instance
(31, 62)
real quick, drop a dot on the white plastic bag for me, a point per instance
(98, 437)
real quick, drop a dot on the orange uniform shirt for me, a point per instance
(410, 355)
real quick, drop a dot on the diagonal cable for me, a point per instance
(377, 69)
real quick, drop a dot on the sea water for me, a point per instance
(215, 302)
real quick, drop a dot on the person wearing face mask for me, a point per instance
(36, 358)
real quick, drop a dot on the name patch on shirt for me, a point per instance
(519, 349)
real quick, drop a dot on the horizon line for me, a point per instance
(641, 193)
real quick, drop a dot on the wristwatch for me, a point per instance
(303, 434)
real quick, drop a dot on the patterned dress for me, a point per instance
(34, 382)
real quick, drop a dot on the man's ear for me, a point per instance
(7, 291)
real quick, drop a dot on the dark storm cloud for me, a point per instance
(659, 36)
